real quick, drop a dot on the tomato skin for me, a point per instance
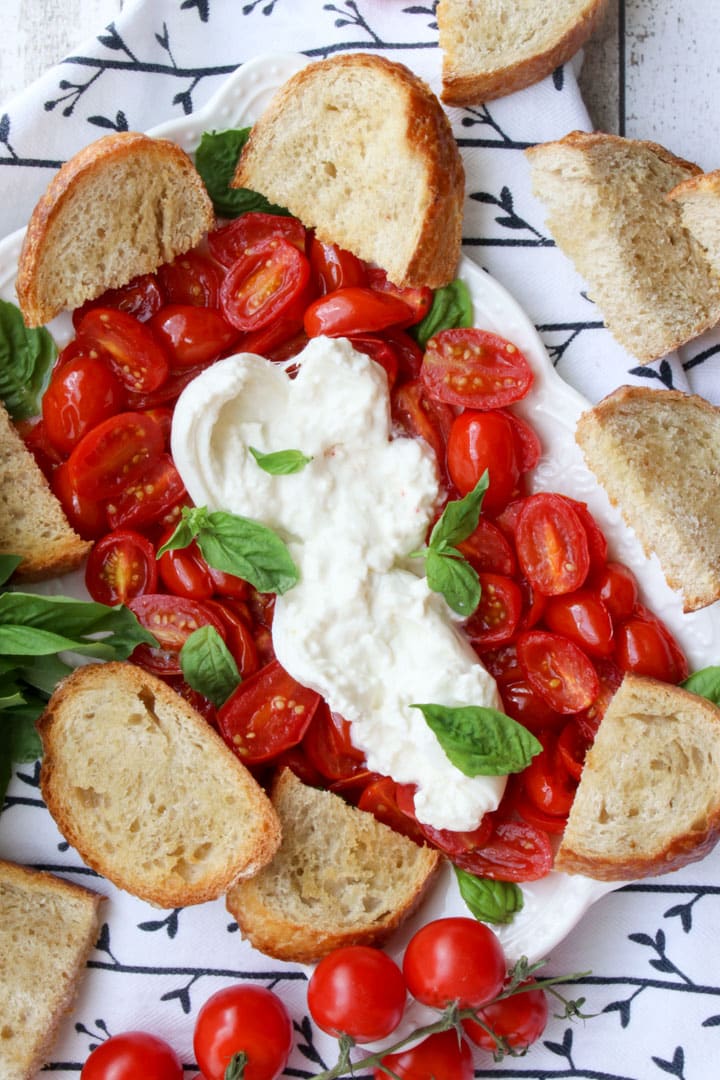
(130, 1055)
(496, 617)
(452, 843)
(454, 959)
(480, 441)
(134, 353)
(558, 670)
(582, 617)
(266, 282)
(357, 991)
(519, 1020)
(121, 566)
(417, 298)
(141, 298)
(267, 713)
(238, 636)
(526, 706)
(381, 352)
(248, 1018)
(192, 335)
(335, 268)
(354, 310)
(475, 369)
(552, 544)
(171, 619)
(184, 572)
(379, 798)
(441, 1057)
(80, 395)
(114, 454)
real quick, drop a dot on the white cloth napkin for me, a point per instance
(652, 948)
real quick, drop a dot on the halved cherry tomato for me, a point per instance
(597, 543)
(121, 566)
(583, 618)
(616, 586)
(184, 572)
(265, 284)
(135, 354)
(526, 706)
(171, 620)
(328, 745)
(114, 454)
(335, 268)
(408, 352)
(379, 798)
(192, 278)
(480, 441)
(516, 851)
(573, 743)
(558, 670)
(238, 636)
(546, 780)
(162, 415)
(168, 393)
(418, 298)
(354, 310)
(496, 617)
(534, 604)
(147, 498)
(451, 842)
(476, 369)
(552, 544)
(527, 442)
(198, 701)
(141, 298)
(192, 335)
(644, 646)
(381, 352)
(267, 713)
(87, 516)
(80, 395)
(232, 242)
(229, 585)
(420, 415)
(487, 549)
(33, 434)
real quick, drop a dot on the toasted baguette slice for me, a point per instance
(359, 148)
(699, 202)
(657, 455)
(48, 928)
(32, 521)
(147, 791)
(120, 207)
(339, 878)
(494, 47)
(649, 796)
(605, 197)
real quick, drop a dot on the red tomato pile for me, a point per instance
(557, 624)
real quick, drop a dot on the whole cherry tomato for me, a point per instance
(475, 369)
(454, 959)
(81, 394)
(480, 441)
(442, 1056)
(357, 991)
(519, 1020)
(121, 566)
(131, 1055)
(243, 1018)
(184, 572)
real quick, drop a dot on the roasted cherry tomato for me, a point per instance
(335, 268)
(527, 706)
(238, 636)
(80, 395)
(231, 242)
(141, 298)
(87, 516)
(516, 851)
(558, 670)
(546, 779)
(517, 802)
(357, 991)
(617, 588)
(192, 278)
(267, 713)
(380, 799)
(527, 442)
(487, 549)
(184, 572)
(265, 284)
(328, 745)
(418, 298)
(475, 369)
(480, 441)
(149, 497)
(130, 1055)
(121, 566)
(135, 354)
(114, 454)
(452, 843)
(573, 743)
(518, 1020)
(354, 310)
(496, 617)
(644, 646)
(171, 620)
(192, 335)
(597, 544)
(582, 617)
(552, 544)
(441, 1057)
(243, 1018)
(381, 352)
(419, 414)
(168, 393)
(454, 959)
(33, 434)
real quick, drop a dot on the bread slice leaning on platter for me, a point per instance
(48, 927)
(147, 792)
(360, 149)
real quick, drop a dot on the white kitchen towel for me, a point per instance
(652, 948)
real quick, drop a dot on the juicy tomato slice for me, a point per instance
(264, 284)
(546, 780)
(476, 369)
(558, 670)
(582, 617)
(379, 798)
(422, 416)
(552, 544)
(496, 617)
(135, 354)
(617, 588)
(121, 566)
(80, 395)
(516, 851)
(171, 620)
(192, 278)
(418, 298)
(147, 498)
(355, 310)
(141, 298)
(192, 335)
(644, 646)
(231, 242)
(488, 550)
(266, 714)
(328, 746)
(114, 454)
(87, 516)
(480, 441)
(335, 268)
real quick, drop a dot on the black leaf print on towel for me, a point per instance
(676, 1066)
(664, 373)
(201, 6)
(118, 124)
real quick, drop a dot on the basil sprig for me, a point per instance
(281, 462)
(208, 666)
(451, 306)
(26, 357)
(489, 900)
(447, 571)
(480, 741)
(216, 159)
(236, 545)
(706, 683)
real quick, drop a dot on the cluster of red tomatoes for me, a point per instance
(557, 623)
(360, 992)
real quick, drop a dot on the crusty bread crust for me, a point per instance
(292, 159)
(511, 71)
(33, 904)
(649, 795)
(147, 792)
(138, 225)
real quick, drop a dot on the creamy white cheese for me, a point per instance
(361, 627)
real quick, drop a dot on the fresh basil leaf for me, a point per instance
(208, 665)
(26, 356)
(237, 545)
(26, 617)
(42, 673)
(19, 740)
(454, 578)
(706, 683)
(460, 517)
(216, 159)
(451, 307)
(8, 566)
(488, 900)
(480, 741)
(281, 462)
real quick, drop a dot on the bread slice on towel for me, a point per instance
(493, 47)
(118, 208)
(48, 927)
(657, 455)
(649, 795)
(147, 791)
(360, 149)
(607, 210)
(340, 877)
